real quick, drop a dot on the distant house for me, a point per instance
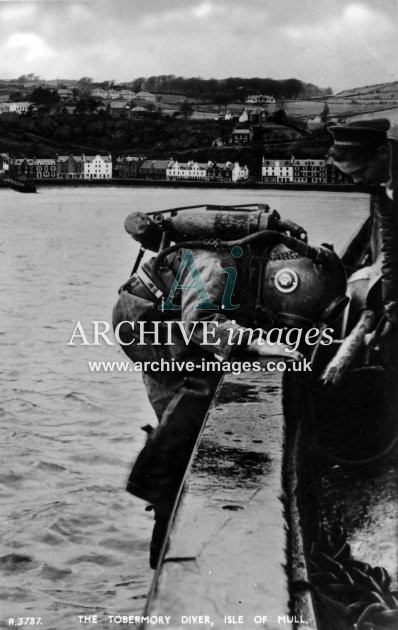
(153, 169)
(65, 94)
(260, 99)
(97, 167)
(244, 117)
(127, 166)
(242, 136)
(126, 95)
(138, 112)
(218, 142)
(15, 107)
(70, 167)
(98, 93)
(119, 109)
(112, 95)
(257, 115)
(146, 96)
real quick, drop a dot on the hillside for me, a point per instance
(379, 94)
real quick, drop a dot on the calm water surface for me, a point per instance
(73, 541)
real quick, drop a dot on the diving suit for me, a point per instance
(271, 286)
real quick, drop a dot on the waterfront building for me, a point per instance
(334, 175)
(309, 171)
(127, 166)
(22, 168)
(4, 163)
(153, 169)
(70, 167)
(219, 172)
(32, 168)
(277, 171)
(187, 171)
(45, 168)
(97, 166)
(239, 173)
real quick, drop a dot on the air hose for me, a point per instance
(270, 237)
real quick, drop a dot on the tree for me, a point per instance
(25, 78)
(84, 81)
(186, 109)
(44, 96)
(221, 99)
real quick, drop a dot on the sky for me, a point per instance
(331, 43)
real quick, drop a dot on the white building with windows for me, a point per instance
(126, 95)
(260, 99)
(97, 166)
(98, 93)
(186, 170)
(146, 96)
(277, 171)
(15, 108)
(239, 173)
(307, 171)
(4, 163)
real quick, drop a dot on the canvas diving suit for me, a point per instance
(179, 399)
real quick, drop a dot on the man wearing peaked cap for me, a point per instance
(363, 150)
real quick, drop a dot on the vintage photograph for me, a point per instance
(198, 323)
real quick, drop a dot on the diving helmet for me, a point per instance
(295, 290)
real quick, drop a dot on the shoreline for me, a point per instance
(190, 184)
